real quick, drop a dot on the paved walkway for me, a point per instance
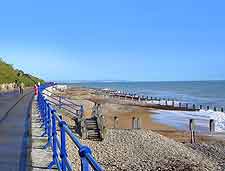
(14, 131)
(40, 157)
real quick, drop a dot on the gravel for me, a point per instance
(215, 152)
(145, 150)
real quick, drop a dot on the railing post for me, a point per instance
(84, 163)
(49, 123)
(45, 117)
(63, 152)
(54, 146)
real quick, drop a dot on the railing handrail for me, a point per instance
(67, 100)
(76, 111)
(51, 119)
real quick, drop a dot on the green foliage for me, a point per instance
(9, 75)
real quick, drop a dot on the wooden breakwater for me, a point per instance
(155, 102)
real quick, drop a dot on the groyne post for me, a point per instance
(200, 107)
(207, 107)
(222, 110)
(115, 121)
(187, 106)
(211, 126)
(193, 106)
(173, 103)
(215, 109)
(179, 105)
(192, 128)
(136, 123)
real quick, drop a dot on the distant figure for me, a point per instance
(21, 88)
(35, 90)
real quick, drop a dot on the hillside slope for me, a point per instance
(8, 75)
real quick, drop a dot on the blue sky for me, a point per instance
(140, 40)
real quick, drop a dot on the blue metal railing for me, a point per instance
(64, 103)
(51, 119)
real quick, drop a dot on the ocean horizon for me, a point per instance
(206, 93)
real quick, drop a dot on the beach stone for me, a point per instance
(145, 150)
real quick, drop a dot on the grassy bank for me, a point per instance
(8, 74)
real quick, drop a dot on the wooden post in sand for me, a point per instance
(115, 121)
(211, 126)
(222, 109)
(200, 107)
(193, 106)
(136, 123)
(215, 109)
(192, 128)
(173, 103)
(207, 107)
(186, 106)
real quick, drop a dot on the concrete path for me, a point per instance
(14, 131)
(40, 157)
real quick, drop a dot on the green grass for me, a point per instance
(8, 75)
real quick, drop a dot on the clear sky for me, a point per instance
(140, 40)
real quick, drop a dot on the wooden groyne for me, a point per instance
(155, 102)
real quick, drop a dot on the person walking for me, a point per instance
(35, 90)
(21, 87)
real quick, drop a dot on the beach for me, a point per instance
(124, 113)
(153, 147)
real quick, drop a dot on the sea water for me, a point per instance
(206, 93)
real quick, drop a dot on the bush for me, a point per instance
(9, 75)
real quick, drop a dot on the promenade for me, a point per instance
(14, 131)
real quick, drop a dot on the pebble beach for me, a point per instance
(140, 150)
(146, 150)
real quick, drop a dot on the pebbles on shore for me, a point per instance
(137, 150)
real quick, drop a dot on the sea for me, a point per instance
(205, 93)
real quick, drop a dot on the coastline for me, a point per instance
(156, 147)
(125, 113)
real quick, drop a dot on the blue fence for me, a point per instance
(64, 103)
(51, 119)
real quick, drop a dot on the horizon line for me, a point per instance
(124, 81)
